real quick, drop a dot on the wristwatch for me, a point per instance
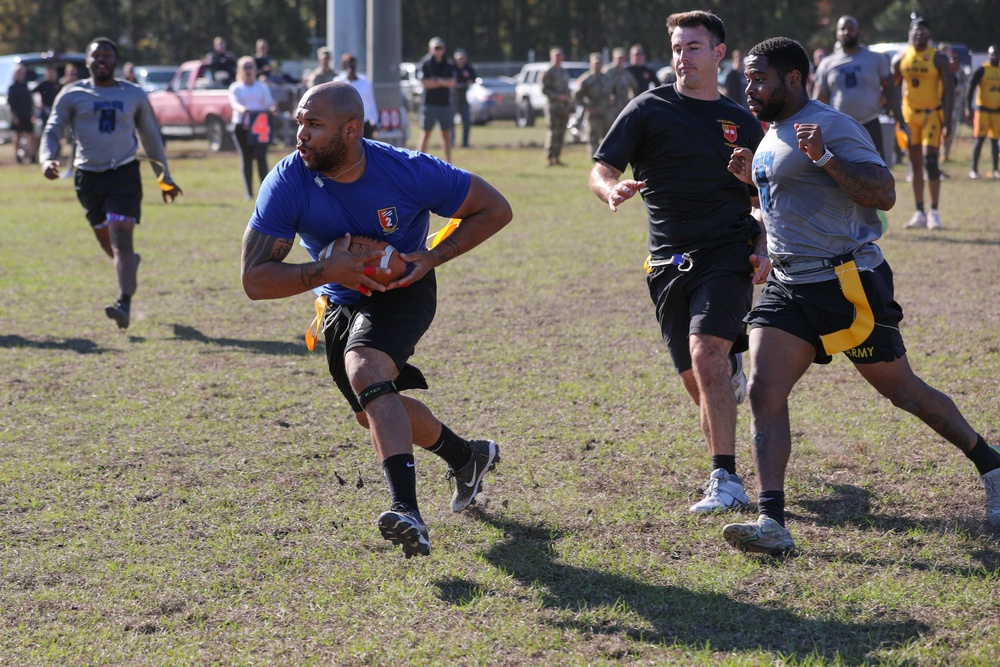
(826, 157)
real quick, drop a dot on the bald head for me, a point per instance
(337, 97)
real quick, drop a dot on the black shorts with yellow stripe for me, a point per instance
(822, 311)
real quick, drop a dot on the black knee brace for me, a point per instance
(933, 170)
(370, 393)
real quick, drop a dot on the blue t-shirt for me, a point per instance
(392, 201)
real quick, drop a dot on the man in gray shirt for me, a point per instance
(853, 80)
(104, 115)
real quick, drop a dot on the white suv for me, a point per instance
(530, 100)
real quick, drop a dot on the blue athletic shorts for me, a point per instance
(442, 115)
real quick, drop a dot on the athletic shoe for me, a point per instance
(405, 527)
(119, 312)
(996, 174)
(468, 479)
(973, 174)
(763, 536)
(991, 481)
(918, 221)
(739, 378)
(933, 220)
(724, 493)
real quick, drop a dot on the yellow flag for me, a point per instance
(442, 233)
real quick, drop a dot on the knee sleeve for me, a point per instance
(933, 169)
(370, 393)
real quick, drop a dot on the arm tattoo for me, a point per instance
(259, 248)
(865, 183)
(447, 250)
(311, 277)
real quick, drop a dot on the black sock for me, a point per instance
(772, 504)
(920, 207)
(401, 475)
(725, 461)
(125, 300)
(985, 458)
(455, 451)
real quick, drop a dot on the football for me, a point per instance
(361, 245)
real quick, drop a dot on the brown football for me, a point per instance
(361, 245)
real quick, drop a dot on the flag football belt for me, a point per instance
(682, 261)
(850, 285)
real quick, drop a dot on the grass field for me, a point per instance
(195, 491)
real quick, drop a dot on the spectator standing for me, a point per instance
(46, 92)
(854, 80)
(594, 95)
(555, 87)
(253, 105)
(736, 80)
(824, 182)
(705, 239)
(338, 184)
(128, 73)
(261, 58)
(928, 103)
(985, 86)
(221, 63)
(69, 76)
(465, 75)
(22, 115)
(323, 73)
(623, 86)
(349, 63)
(644, 75)
(438, 78)
(105, 115)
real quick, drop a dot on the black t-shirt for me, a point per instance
(440, 97)
(464, 76)
(681, 147)
(643, 75)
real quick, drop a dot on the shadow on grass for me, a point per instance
(182, 332)
(79, 345)
(852, 506)
(596, 602)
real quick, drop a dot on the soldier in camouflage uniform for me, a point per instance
(623, 86)
(555, 87)
(594, 95)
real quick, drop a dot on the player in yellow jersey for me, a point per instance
(928, 101)
(986, 118)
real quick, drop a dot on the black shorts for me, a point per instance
(712, 298)
(116, 191)
(392, 322)
(811, 310)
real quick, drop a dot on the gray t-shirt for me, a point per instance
(808, 217)
(104, 121)
(853, 82)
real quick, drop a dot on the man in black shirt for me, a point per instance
(643, 74)
(465, 76)
(438, 80)
(707, 246)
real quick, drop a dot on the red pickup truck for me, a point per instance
(195, 105)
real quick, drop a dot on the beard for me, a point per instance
(770, 111)
(332, 158)
(850, 42)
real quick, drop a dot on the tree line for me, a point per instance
(171, 31)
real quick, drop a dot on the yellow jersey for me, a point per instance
(988, 93)
(921, 79)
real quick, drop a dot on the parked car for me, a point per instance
(194, 105)
(492, 98)
(531, 102)
(155, 77)
(412, 87)
(36, 63)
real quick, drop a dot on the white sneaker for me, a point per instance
(991, 481)
(996, 174)
(973, 174)
(763, 536)
(724, 493)
(933, 219)
(739, 379)
(918, 221)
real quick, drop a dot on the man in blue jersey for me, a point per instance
(821, 182)
(705, 241)
(337, 184)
